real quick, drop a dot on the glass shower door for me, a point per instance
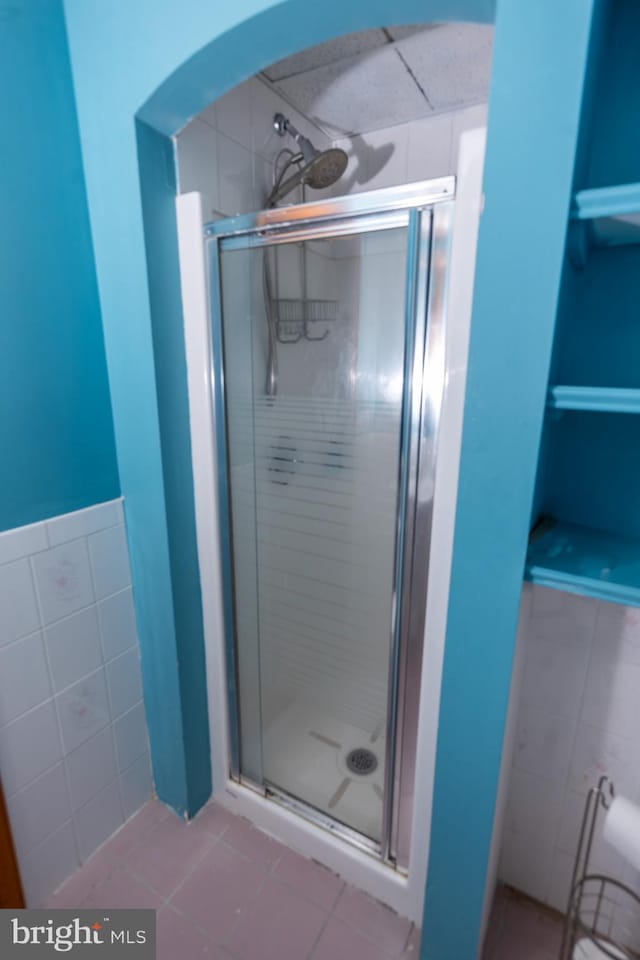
(317, 352)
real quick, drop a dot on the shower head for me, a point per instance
(319, 168)
(325, 168)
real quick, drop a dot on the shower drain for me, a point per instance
(361, 761)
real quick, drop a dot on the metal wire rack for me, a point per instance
(603, 915)
(292, 318)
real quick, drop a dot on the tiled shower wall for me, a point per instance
(74, 754)
(407, 152)
(577, 717)
(227, 152)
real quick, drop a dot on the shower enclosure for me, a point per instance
(327, 324)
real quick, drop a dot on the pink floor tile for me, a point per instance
(341, 942)
(168, 854)
(314, 881)
(278, 925)
(531, 924)
(214, 819)
(179, 939)
(514, 947)
(136, 829)
(120, 889)
(81, 883)
(253, 843)
(218, 890)
(374, 921)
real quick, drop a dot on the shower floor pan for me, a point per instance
(306, 755)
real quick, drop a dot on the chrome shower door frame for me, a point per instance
(425, 209)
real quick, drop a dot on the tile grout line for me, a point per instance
(63, 755)
(44, 524)
(167, 900)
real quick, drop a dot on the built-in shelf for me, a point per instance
(606, 202)
(603, 399)
(585, 561)
(604, 217)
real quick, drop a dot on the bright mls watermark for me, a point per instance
(79, 933)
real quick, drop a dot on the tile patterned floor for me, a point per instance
(520, 929)
(226, 891)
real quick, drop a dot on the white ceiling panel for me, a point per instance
(342, 47)
(451, 64)
(401, 33)
(358, 94)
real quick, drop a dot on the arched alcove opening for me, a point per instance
(534, 113)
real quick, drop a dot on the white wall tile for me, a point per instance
(560, 881)
(470, 119)
(462, 120)
(70, 526)
(527, 866)
(617, 633)
(130, 732)
(565, 610)
(429, 148)
(117, 623)
(63, 580)
(38, 767)
(534, 808)
(384, 155)
(262, 181)
(583, 658)
(28, 747)
(24, 678)
(235, 177)
(544, 743)
(265, 103)
(91, 768)
(83, 710)
(556, 666)
(124, 682)
(136, 785)
(612, 696)
(38, 810)
(17, 602)
(267, 142)
(596, 753)
(97, 820)
(46, 867)
(197, 154)
(233, 114)
(73, 645)
(23, 541)
(109, 561)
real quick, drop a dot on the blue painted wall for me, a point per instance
(540, 56)
(158, 190)
(165, 61)
(592, 462)
(56, 432)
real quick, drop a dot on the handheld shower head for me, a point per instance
(320, 168)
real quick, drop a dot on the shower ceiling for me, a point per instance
(377, 78)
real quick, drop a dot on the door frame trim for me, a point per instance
(418, 208)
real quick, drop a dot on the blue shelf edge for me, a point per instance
(606, 202)
(587, 562)
(583, 586)
(597, 399)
